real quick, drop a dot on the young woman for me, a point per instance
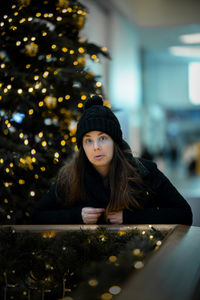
(104, 183)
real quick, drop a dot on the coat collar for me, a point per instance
(142, 169)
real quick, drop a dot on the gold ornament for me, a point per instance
(50, 101)
(80, 22)
(26, 163)
(89, 75)
(63, 3)
(31, 49)
(24, 2)
(81, 61)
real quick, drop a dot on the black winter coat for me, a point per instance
(162, 203)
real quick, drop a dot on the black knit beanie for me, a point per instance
(98, 117)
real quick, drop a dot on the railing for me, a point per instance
(172, 273)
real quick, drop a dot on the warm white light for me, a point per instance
(194, 87)
(185, 51)
(193, 38)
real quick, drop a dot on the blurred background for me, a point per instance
(153, 81)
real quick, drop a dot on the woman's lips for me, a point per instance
(98, 156)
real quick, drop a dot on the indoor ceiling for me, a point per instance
(162, 22)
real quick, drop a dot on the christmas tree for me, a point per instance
(44, 82)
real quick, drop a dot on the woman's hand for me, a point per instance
(90, 215)
(116, 217)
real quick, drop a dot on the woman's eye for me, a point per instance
(88, 141)
(102, 138)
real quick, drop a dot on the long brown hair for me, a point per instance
(126, 185)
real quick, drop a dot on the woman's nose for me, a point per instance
(96, 144)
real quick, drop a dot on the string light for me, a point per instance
(81, 50)
(21, 181)
(22, 20)
(59, 19)
(38, 14)
(44, 34)
(32, 193)
(56, 154)
(41, 103)
(93, 282)
(19, 91)
(26, 142)
(36, 77)
(114, 290)
(1, 160)
(136, 251)
(7, 184)
(30, 19)
(106, 296)
(73, 139)
(30, 90)
(18, 43)
(98, 84)
(67, 97)
(104, 49)
(63, 143)
(28, 66)
(45, 74)
(21, 135)
(44, 90)
(60, 99)
(71, 52)
(44, 143)
(40, 134)
(80, 105)
(138, 265)
(112, 258)
(53, 46)
(37, 85)
(31, 111)
(33, 151)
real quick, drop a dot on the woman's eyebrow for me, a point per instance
(101, 133)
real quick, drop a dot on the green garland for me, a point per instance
(72, 265)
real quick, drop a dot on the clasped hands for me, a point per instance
(90, 215)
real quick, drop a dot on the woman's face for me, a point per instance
(99, 148)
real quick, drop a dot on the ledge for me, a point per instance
(172, 272)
